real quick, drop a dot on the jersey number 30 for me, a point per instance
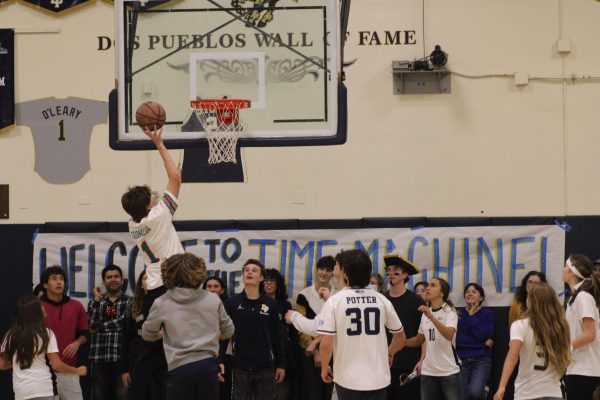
(367, 321)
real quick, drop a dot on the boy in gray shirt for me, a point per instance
(190, 321)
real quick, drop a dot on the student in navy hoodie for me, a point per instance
(474, 342)
(258, 346)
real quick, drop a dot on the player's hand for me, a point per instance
(71, 350)
(82, 371)
(97, 293)
(279, 375)
(499, 394)
(154, 135)
(489, 343)
(327, 374)
(426, 311)
(390, 359)
(324, 293)
(288, 316)
(317, 358)
(221, 373)
(418, 368)
(126, 379)
(310, 349)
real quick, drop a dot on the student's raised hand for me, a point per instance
(82, 371)
(154, 135)
(97, 293)
(126, 379)
(426, 310)
(327, 374)
(279, 375)
(324, 293)
(221, 373)
(71, 350)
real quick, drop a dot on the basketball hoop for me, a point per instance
(222, 125)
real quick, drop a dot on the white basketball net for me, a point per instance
(222, 125)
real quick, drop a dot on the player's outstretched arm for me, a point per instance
(173, 172)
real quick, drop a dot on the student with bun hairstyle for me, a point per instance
(583, 374)
(540, 343)
(440, 373)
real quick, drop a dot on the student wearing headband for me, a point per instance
(583, 373)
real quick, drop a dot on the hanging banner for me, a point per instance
(495, 257)
(7, 77)
(56, 5)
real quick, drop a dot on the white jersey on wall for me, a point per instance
(585, 360)
(156, 237)
(535, 380)
(358, 318)
(441, 358)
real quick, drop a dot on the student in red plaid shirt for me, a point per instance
(106, 312)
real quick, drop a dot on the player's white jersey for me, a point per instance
(535, 380)
(586, 359)
(358, 318)
(156, 237)
(441, 358)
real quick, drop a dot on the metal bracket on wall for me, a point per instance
(409, 81)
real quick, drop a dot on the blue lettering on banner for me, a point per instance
(373, 252)
(467, 264)
(543, 254)
(282, 265)
(514, 265)
(495, 265)
(91, 268)
(237, 250)
(212, 249)
(321, 244)
(73, 269)
(262, 248)
(411, 256)
(189, 243)
(301, 252)
(438, 268)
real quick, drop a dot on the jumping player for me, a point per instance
(357, 318)
(151, 223)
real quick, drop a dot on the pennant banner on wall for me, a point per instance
(56, 5)
(496, 257)
(7, 77)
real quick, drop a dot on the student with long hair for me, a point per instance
(540, 342)
(28, 347)
(144, 377)
(440, 372)
(583, 374)
(519, 304)
(216, 285)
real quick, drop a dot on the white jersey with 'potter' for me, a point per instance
(441, 358)
(156, 237)
(358, 319)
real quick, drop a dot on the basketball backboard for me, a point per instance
(280, 54)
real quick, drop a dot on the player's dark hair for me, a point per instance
(421, 283)
(445, 286)
(111, 267)
(39, 288)
(135, 201)
(134, 308)
(357, 267)
(327, 262)
(591, 283)
(339, 259)
(478, 288)
(53, 270)
(257, 263)
(27, 335)
(183, 270)
(224, 296)
(281, 289)
(521, 292)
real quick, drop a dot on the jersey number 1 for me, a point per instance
(61, 136)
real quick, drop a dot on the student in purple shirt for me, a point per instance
(474, 342)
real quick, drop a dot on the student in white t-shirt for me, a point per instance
(540, 343)
(353, 325)
(440, 371)
(28, 348)
(583, 374)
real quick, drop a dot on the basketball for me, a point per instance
(151, 115)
